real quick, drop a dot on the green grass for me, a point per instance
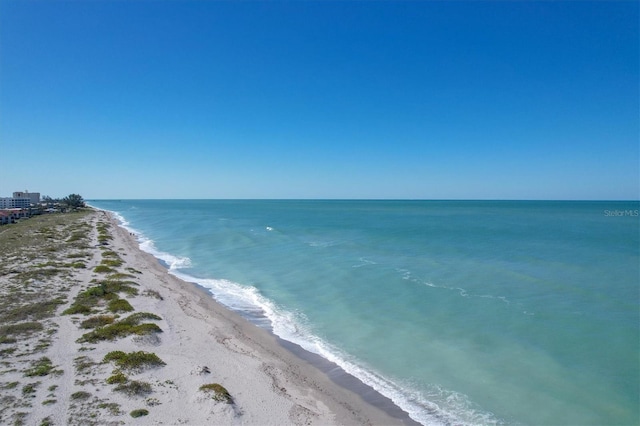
(97, 321)
(41, 367)
(33, 311)
(103, 269)
(118, 330)
(110, 253)
(112, 407)
(114, 263)
(77, 308)
(134, 361)
(46, 422)
(78, 255)
(40, 274)
(117, 378)
(136, 318)
(119, 305)
(76, 236)
(30, 389)
(218, 392)
(120, 276)
(105, 290)
(10, 385)
(125, 327)
(23, 328)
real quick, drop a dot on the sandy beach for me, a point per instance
(95, 331)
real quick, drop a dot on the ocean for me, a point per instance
(461, 312)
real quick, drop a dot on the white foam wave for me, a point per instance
(292, 326)
(146, 244)
(123, 222)
(407, 276)
(323, 243)
(173, 262)
(364, 262)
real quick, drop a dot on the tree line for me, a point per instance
(72, 201)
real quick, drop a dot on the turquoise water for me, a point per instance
(462, 312)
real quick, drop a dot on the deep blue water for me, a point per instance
(463, 312)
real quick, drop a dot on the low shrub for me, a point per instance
(7, 340)
(114, 286)
(19, 329)
(105, 290)
(153, 293)
(77, 308)
(110, 253)
(76, 236)
(135, 319)
(41, 367)
(83, 363)
(118, 330)
(139, 413)
(145, 329)
(120, 276)
(33, 311)
(111, 262)
(80, 395)
(117, 378)
(134, 388)
(119, 305)
(10, 385)
(114, 356)
(134, 361)
(97, 321)
(218, 391)
(30, 389)
(111, 407)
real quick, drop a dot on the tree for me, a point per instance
(73, 201)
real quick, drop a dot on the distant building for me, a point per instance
(5, 217)
(34, 197)
(11, 215)
(15, 203)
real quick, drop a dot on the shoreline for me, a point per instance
(331, 370)
(378, 408)
(95, 331)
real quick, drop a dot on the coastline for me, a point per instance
(348, 400)
(196, 340)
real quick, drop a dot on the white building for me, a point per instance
(14, 203)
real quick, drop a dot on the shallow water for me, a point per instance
(462, 312)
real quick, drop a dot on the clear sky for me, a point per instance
(309, 99)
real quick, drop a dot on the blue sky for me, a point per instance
(303, 99)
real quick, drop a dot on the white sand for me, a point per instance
(201, 343)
